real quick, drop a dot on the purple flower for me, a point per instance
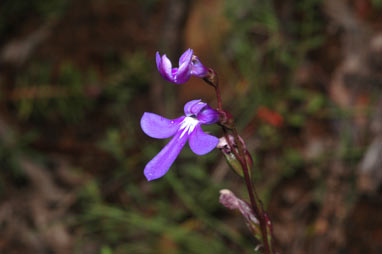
(189, 64)
(184, 128)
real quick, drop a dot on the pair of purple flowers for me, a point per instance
(182, 129)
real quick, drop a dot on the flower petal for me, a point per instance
(157, 126)
(167, 68)
(207, 115)
(158, 60)
(188, 107)
(182, 76)
(198, 107)
(200, 142)
(185, 56)
(162, 162)
(183, 73)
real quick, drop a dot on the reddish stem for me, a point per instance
(213, 80)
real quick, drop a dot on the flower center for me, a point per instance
(188, 125)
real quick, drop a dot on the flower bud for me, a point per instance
(229, 155)
(229, 200)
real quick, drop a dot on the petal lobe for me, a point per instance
(157, 126)
(162, 162)
(202, 143)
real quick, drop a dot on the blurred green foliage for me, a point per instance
(61, 96)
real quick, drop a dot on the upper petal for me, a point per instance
(186, 57)
(183, 73)
(198, 107)
(167, 67)
(188, 107)
(158, 60)
(162, 162)
(157, 126)
(160, 65)
(200, 142)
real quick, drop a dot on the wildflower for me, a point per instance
(189, 64)
(184, 128)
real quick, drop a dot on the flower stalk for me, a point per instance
(228, 125)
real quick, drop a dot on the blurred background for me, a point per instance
(302, 78)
